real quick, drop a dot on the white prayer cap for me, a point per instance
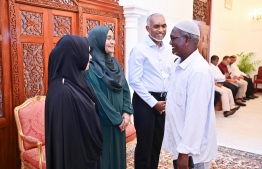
(188, 26)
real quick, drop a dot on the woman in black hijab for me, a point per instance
(108, 81)
(72, 125)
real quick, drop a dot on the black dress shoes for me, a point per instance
(245, 98)
(228, 113)
(252, 97)
(236, 108)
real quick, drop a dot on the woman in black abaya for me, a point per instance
(72, 125)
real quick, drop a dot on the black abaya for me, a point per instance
(72, 125)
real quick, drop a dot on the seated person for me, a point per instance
(241, 84)
(228, 104)
(221, 79)
(236, 72)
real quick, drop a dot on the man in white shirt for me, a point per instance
(236, 72)
(190, 128)
(150, 65)
(228, 104)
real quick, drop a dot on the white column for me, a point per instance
(132, 14)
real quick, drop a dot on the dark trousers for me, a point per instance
(217, 97)
(250, 87)
(232, 87)
(149, 126)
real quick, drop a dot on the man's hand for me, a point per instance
(219, 85)
(182, 161)
(241, 77)
(231, 80)
(160, 106)
(227, 75)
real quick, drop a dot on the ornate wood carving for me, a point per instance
(110, 25)
(200, 11)
(101, 13)
(33, 69)
(31, 23)
(81, 22)
(122, 42)
(14, 52)
(62, 26)
(90, 24)
(69, 5)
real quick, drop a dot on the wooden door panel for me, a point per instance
(38, 31)
(204, 40)
(61, 23)
(31, 47)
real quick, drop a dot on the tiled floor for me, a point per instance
(243, 130)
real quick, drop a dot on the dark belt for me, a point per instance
(159, 94)
(220, 82)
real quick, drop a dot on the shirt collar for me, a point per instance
(191, 58)
(151, 43)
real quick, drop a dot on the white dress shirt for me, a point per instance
(235, 70)
(190, 126)
(218, 75)
(149, 68)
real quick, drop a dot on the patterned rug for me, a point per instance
(227, 158)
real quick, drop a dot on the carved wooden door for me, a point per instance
(38, 30)
(203, 46)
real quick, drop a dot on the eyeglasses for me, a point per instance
(173, 38)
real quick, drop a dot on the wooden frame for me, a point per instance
(228, 4)
(22, 136)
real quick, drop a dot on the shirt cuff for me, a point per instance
(152, 102)
(186, 150)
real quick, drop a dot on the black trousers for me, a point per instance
(232, 87)
(250, 87)
(217, 97)
(149, 126)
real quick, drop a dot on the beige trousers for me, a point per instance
(242, 88)
(226, 98)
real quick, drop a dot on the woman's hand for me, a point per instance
(125, 123)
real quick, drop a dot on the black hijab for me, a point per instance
(72, 123)
(103, 64)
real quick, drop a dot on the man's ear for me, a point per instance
(147, 28)
(187, 39)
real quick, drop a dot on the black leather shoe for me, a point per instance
(228, 113)
(255, 96)
(245, 98)
(236, 108)
(251, 97)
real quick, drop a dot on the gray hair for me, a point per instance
(150, 17)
